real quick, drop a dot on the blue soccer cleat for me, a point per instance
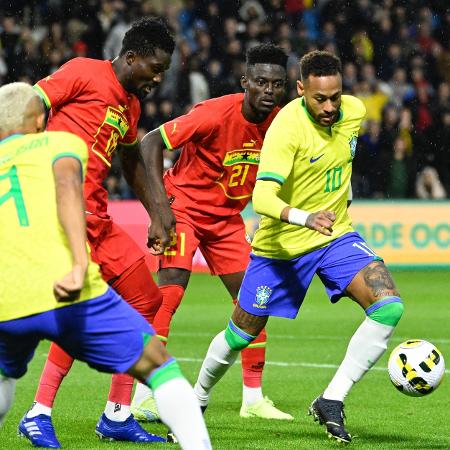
(39, 431)
(129, 431)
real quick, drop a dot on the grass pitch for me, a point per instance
(302, 356)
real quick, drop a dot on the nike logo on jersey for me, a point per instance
(313, 160)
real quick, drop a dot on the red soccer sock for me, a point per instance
(56, 367)
(120, 390)
(253, 359)
(137, 288)
(172, 295)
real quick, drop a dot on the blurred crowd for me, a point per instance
(396, 59)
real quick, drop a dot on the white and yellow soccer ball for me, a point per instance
(416, 367)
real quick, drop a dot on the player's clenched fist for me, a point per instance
(321, 221)
(68, 288)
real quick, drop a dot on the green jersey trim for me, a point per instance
(10, 138)
(129, 144)
(165, 138)
(270, 176)
(66, 155)
(43, 95)
(70, 155)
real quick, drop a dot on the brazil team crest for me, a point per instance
(352, 143)
(262, 296)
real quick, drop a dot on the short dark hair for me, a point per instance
(266, 54)
(146, 35)
(319, 64)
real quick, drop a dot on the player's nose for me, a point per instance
(157, 78)
(268, 88)
(328, 107)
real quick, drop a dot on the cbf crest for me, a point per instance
(262, 297)
(352, 143)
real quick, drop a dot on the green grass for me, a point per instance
(378, 414)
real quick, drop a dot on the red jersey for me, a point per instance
(216, 172)
(87, 99)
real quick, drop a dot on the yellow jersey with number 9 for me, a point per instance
(313, 165)
(34, 249)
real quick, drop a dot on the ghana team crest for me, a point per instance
(352, 143)
(262, 296)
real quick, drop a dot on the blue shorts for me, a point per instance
(275, 287)
(105, 332)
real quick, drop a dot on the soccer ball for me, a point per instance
(416, 367)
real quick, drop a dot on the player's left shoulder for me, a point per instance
(352, 107)
(64, 142)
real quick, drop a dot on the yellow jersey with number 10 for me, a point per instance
(313, 165)
(34, 249)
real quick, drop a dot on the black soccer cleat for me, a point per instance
(331, 414)
(171, 438)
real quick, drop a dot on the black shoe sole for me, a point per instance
(318, 418)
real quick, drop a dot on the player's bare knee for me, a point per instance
(232, 282)
(371, 284)
(153, 356)
(173, 275)
(247, 322)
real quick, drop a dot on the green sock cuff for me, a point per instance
(146, 338)
(386, 311)
(236, 338)
(168, 371)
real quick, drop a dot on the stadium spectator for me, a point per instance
(400, 168)
(401, 91)
(403, 56)
(428, 184)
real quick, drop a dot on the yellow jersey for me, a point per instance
(34, 249)
(313, 165)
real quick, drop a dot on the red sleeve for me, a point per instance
(65, 84)
(196, 126)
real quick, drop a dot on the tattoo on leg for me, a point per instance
(379, 280)
(248, 322)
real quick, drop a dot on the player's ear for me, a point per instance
(300, 88)
(244, 82)
(130, 56)
(40, 122)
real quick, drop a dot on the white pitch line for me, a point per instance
(316, 337)
(281, 364)
(292, 364)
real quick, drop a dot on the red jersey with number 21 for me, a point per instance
(87, 99)
(216, 172)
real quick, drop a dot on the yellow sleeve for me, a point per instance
(266, 200)
(68, 144)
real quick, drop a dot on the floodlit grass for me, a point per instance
(302, 356)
